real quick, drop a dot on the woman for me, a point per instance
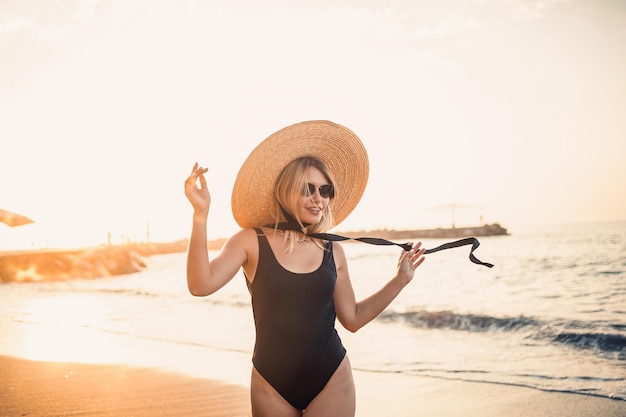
(300, 181)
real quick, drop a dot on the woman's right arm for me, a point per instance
(206, 276)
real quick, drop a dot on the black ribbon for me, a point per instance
(292, 224)
(378, 241)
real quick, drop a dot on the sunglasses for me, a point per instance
(326, 190)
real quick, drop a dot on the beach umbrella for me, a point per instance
(13, 219)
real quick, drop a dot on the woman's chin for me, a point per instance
(311, 219)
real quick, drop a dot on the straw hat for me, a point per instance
(335, 145)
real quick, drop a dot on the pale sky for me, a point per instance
(514, 108)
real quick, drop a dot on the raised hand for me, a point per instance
(409, 261)
(199, 197)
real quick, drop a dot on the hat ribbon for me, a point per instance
(292, 224)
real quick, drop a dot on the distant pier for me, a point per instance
(494, 229)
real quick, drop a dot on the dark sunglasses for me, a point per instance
(326, 190)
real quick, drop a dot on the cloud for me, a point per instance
(86, 10)
(533, 10)
(464, 22)
(15, 24)
(448, 27)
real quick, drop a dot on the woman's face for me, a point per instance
(311, 207)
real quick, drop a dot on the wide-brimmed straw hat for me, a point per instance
(336, 146)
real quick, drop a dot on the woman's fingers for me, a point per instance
(416, 254)
(203, 180)
(198, 172)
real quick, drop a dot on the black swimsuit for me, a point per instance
(297, 348)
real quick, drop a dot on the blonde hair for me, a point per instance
(288, 189)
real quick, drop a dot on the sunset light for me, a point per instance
(64, 329)
(513, 107)
(469, 261)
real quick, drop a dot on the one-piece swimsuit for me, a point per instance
(297, 348)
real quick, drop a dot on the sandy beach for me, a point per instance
(140, 345)
(43, 389)
(58, 389)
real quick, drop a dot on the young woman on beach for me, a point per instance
(300, 181)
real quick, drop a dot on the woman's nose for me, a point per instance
(316, 196)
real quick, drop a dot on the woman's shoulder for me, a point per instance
(243, 238)
(244, 234)
(252, 234)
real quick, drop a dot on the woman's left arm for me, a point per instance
(352, 314)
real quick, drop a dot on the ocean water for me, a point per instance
(550, 315)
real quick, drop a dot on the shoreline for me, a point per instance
(88, 372)
(48, 265)
(47, 389)
(62, 264)
(59, 264)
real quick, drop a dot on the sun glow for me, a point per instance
(105, 107)
(64, 329)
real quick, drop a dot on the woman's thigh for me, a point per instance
(266, 401)
(338, 398)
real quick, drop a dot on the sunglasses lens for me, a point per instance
(326, 190)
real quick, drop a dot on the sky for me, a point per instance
(513, 110)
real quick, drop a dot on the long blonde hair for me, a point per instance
(288, 189)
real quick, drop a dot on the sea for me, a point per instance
(550, 315)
